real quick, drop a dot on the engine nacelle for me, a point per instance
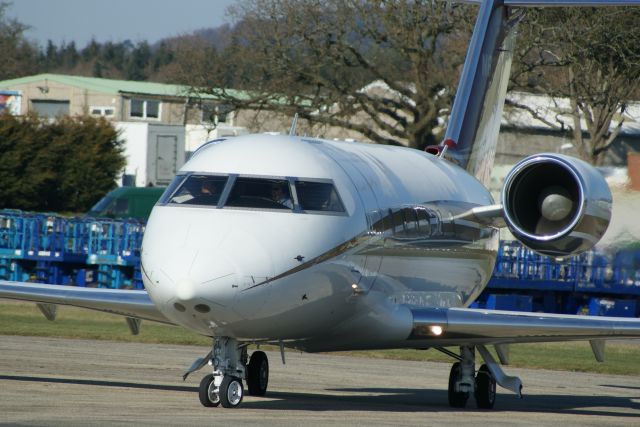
(556, 205)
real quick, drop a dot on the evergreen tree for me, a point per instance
(138, 62)
(66, 165)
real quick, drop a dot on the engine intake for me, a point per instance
(556, 205)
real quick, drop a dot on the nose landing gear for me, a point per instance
(224, 386)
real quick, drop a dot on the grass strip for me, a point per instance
(19, 318)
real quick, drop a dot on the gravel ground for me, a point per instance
(51, 381)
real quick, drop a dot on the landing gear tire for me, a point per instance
(457, 399)
(207, 393)
(485, 388)
(231, 392)
(258, 374)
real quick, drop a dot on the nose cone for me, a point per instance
(185, 290)
(196, 290)
(185, 273)
(189, 275)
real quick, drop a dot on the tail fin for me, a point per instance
(472, 133)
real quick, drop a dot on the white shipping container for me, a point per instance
(154, 152)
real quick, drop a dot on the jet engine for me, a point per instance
(556, 205)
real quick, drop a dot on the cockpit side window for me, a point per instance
(318, 196)
(173, 185)
(261, 193)
(203, 190)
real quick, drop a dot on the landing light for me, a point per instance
(436, 330)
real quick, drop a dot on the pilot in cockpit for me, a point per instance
(208, 194)
(278, 195)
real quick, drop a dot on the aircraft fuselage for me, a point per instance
(322, 278)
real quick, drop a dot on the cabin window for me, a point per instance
(202, 190)
(318, 196)
(260, 193)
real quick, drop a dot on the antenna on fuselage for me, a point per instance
(294, 125)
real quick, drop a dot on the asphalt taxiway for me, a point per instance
(50, 381)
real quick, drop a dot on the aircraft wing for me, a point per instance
(129, 303)
(465, 326)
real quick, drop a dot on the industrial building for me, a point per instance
(159, 123)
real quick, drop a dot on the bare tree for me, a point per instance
(19, 56)
(589, 57)
(384, 69)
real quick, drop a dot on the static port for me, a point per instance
(181, 308)
(202, 308)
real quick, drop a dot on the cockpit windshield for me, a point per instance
(260, 193)
(291, 194)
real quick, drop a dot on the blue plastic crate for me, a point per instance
(511, 302)
(44, 237)
(612, 307)
(12, 231)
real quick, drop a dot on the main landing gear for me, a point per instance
(224, 386)
(463, 381)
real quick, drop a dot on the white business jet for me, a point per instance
(325, 246)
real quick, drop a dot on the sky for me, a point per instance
(115, 20)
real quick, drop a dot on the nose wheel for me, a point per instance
(208, 392)
(228, 393)
(231, 392)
